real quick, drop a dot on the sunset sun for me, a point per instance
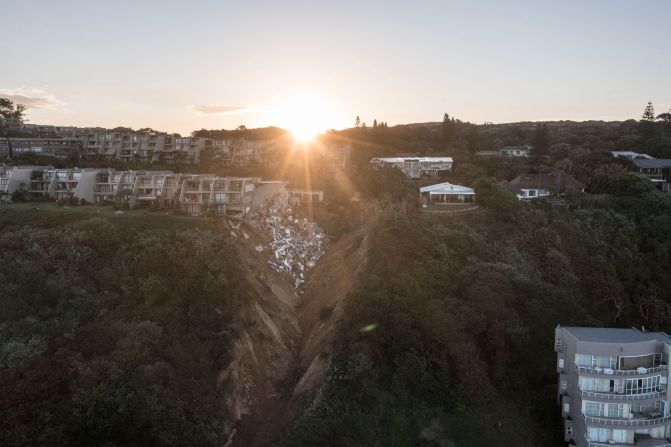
(305, 114)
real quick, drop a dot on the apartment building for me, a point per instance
(51, 147)
(613, 386)
(416, 167)
(191, 193)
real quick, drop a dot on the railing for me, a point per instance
(620, 372)
(665, 443)
(627, 422)
(660, 392)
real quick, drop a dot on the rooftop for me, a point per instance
(614, 335)
(447, 188)
(402, 159)
(653, 163)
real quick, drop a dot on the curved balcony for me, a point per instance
(652, 442)
(641, 422)
(600, 396)
(620, 372)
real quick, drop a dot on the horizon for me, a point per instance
(180, 68)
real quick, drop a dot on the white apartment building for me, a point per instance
(613, 386)
(416, 167)
(190, 193)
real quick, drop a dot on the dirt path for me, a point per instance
(283, 354)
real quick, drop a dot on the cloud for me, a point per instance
(214, 109)
(32, 98)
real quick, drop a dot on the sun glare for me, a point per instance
(305, 114)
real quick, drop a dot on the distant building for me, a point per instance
(533, 186)
(299, 196)
(446, 194)
(613, 386)
(506, 151)
(514, 151)
(50, 147)
(10, 125)
(416, 167)
(629, 155)
(657, 170)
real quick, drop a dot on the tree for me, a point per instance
(648, 113)
(540, 140)
(10, 110)
(357, 121)
(375, 123)
(448, 129)
(473, 139)
(647, 123)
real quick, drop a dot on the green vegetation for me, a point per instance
(113, 329)
(448, 335)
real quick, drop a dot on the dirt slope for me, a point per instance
(284, 340)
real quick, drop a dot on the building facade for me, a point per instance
(613, 386)
(657, 170)
(189, 193)
(50, 147)
(416, 167)
(446, 194)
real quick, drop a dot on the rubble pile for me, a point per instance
(295, 244)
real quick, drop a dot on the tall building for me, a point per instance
(613, 386)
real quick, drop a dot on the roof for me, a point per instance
(402, 159)
(556, 181)
(515, 148)
(654, 163)
(630, 154)
(447, 188)
(614, 335)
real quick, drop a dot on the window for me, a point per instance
(560, 363)
(615, 410)
(566, 408)
(594, 409)
(532, 193)
(569, 430)
(620, 436)
(597, 434)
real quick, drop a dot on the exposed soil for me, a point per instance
(284, 341)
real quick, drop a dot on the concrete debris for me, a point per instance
(259, 248)
(234, 234)
(297, 244)
(245, 235)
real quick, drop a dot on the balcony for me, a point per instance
(645, 442)
(649, 421)
(621, 372)
(660, 392)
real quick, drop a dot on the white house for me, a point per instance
(446, 194)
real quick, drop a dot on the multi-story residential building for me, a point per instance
(191, 193)
(416, 167)
(10, 125)
(613, 386)
(657, 170)
(51, 147)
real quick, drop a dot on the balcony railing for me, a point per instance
(648, 443)
(621, 372)
(660, 392)
(646, 422)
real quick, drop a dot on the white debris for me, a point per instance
(296, 243)
(234, 234)
(259, 248)
(246, 236)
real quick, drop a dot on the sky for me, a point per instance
(183, 65)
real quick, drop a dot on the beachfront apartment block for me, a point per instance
(190, 193)
(613, 386)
